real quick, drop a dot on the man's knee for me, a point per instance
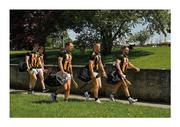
(67, 89)
(98, 80)
(96, 86)
(125, 86)
(33, 77)
(67, 86)
(42, 79)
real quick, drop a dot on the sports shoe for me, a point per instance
(53, 97)
(132, 100)
(65, 100)
(112, 97)
(30, 91)
(98, 101)
(87, 95)
(45, 90)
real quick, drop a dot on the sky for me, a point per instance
(156, 38)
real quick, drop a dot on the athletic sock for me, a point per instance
(89, 92)
(128, 97)
(55, 93)
(32, 89)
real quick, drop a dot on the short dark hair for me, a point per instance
(42, 48)
(35, 45)
(123, 47)
(68, 43)
(95, 43)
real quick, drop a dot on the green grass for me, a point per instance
(149, 57)
(24, 105)
(143, 57)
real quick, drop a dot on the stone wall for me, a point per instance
(148, 85)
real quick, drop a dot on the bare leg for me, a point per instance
(99, 82)
(60, 89)
(95, 88)
(67, 88)
(32, 82)
(116, 87)
(126, 90)
(41, 76)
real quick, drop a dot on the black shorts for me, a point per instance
(113, 77)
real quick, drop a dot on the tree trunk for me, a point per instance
(107, 43)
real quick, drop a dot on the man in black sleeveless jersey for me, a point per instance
(122, 64)
(35, 67)
(65, 73)
(95, 66)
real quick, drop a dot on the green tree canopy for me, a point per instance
(106, 26)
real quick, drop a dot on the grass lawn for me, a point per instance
(151, 57)
(143, 57)
(24, 105)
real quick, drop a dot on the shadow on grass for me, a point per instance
(132, 55)
(58, 101)
(80, 58)
(43, 102)
(75, 100)
(139, 53)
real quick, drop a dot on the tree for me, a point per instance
(58, 39)
(110, 25)
(140, 37)
(32, 26)
(106, 26)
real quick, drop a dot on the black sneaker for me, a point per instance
(45, 90)
(53, 97)
(65, 100)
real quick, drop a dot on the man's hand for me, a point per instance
(28, 69)
(45, 70)
(65, 73)
(72, 76)
(104, 74)
(123, 76)
(137, 69)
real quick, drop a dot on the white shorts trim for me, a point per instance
(37, 71)
(95, 74)
(63, 77)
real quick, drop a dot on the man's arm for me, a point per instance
(27, 63)
(130, 65)
(71, 70)
(117, 64)
(91, 63)
(102, 69)
(60, 59)
(40, 63)
(42, 60)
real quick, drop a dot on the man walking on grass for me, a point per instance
(35, 68)
(65, 73)
(95, 66)
(122, 64)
